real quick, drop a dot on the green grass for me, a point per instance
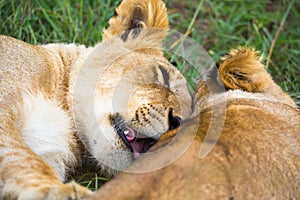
(55, 21)
(221, 25)
(91, 180)
(217, 25)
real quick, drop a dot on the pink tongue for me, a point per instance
(130, 135)
(136, 147)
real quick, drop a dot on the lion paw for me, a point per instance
(70, 191)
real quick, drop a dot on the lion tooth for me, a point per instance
(126, 132)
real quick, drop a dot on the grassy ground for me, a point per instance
(218, 26)
(269, 25)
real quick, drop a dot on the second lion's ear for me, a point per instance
(139, 22)
(242, 69)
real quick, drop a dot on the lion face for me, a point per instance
(137, 99)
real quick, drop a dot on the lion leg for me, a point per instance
(242, 69)
(30, 152)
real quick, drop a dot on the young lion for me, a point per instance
(256, 155)
(117, 98)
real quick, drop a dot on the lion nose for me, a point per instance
(174, 121)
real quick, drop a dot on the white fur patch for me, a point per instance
(46, 130)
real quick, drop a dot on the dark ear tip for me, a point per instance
(138, 9)
(136, 24)
(137, 18)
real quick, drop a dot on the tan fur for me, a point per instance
(242, 69)
(255, 157)
(151, 14)
(51, 92)
(132, 14)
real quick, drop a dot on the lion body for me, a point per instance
(256, 156)
(34, 114)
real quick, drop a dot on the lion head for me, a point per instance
(128, 94)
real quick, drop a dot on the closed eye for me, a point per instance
(165, 75)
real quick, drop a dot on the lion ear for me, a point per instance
(141, 24)
(242, 69)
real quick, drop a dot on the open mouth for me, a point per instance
(130, 137)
